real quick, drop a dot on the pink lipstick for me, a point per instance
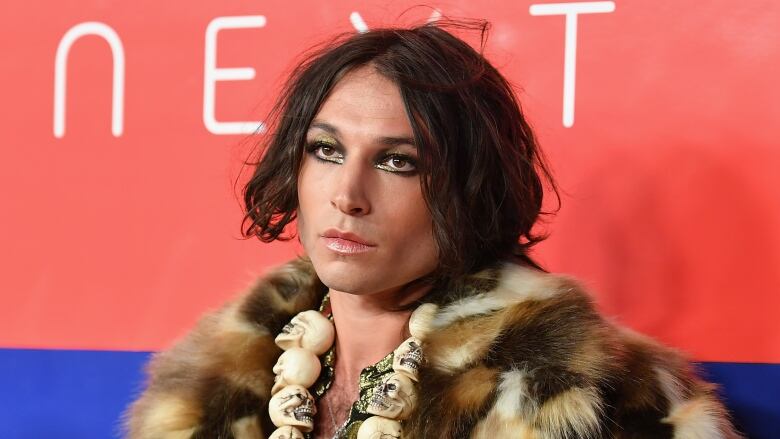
(346, 243)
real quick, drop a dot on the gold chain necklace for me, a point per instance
(337, 431)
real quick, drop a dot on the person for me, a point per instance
(414, 181)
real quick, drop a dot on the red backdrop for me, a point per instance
(668, 167)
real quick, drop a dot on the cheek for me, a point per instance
(411, 218)
(303, 187)
(306, 194)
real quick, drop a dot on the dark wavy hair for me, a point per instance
(482, 172)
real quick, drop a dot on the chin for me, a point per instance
(346, 284)
(346, 277)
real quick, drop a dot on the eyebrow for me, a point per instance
(385, 140)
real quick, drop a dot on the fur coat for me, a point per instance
(513, 353)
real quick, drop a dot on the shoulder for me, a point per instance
(219, 375)
(517, 312)
(531, 352)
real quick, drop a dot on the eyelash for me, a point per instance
(312, 148)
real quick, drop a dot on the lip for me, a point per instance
(345, 243)
(335, 233)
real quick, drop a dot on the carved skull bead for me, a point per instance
(394, 397)
(286, 433)
(421, 320)
(408, 357)
(296, 366)
(308, 330)
(377, 427)
(294, 406)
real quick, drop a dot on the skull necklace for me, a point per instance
(310, 334)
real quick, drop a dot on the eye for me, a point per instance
(325, 151)
(399, 163)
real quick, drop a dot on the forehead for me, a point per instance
(364, 102)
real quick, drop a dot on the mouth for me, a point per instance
(347, 236)
(287, 328)
(304, 413)
(411, 360)
(378, 402)
(345, 246)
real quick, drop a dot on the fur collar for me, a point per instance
(513, 352)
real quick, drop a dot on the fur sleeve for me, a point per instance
(533, 359)
(215, 382)
(662, 391)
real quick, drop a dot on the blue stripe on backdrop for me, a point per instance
(81, 394)
(53, 394)
(752, 393)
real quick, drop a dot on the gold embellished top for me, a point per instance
(369, 378)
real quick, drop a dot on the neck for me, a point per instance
(368, 327)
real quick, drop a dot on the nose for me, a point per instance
(349, 195)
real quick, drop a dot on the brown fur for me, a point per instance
(512, 352)
(472, 389)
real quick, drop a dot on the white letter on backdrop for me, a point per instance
(570, 48)
(61, 68)
(212, 74)
(357, 22)
(360, 25)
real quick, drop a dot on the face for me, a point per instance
(308, 330)
(295, 366)
(408, 357)
(359, 179)
(293, 406)
(286, 432)
(377, 427)
(394, 397)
